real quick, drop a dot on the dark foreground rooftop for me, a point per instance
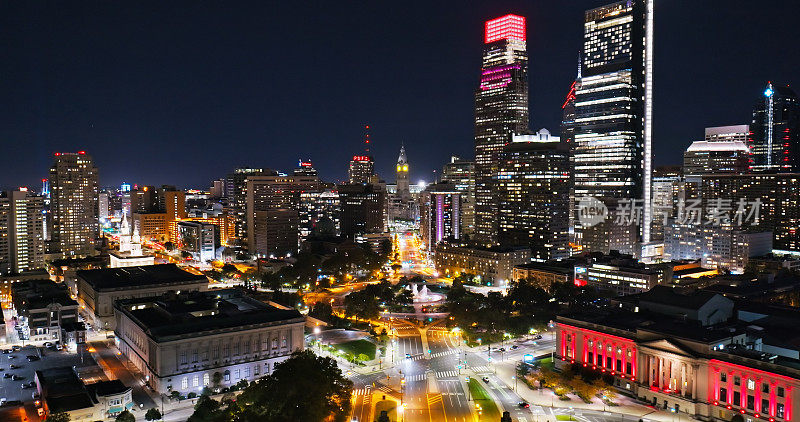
(194, 314)
(116, 278)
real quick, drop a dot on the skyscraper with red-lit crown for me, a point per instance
(501, 109)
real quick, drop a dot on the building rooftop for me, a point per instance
(38, 294)
(63, 390)
(118, 278)
(670, 296)
(107, 388)
(192, 314)
(712, 146)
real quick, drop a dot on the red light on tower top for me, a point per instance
(508, 27)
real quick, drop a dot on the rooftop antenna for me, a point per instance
(366, 138)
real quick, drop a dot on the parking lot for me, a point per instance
(11, 389)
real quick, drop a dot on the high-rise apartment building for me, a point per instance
(461, 174)
(612, 120)
(73, 193)
(773, 137)
(21, 232)
(533, 194)
(236, 202)
(501, 109)
(272, 211)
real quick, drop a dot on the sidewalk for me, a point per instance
(545, 397)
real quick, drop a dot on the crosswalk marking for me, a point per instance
(440, 354)
(361, 392)
(419, 377)
(481, 369)
(446, 374)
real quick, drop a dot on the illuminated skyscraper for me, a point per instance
(21, 232)
(362, 167)
(501, 109)
(533, 192)
(73, 192)
(613, 113)
(773, 137)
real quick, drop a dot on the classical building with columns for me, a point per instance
(195, 340)
(712, 361)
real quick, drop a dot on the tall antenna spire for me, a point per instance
(366, 138)
(579, 65)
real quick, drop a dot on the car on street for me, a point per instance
(12, 357)
(17, 377)
(408, 355)
(27, 385)
(537, 337)
(485, 379)
(32, 358)
(503, 349)
(523, 405)
(14, 366)
(48, 344)
(8, 375)
(514, 347)
(16, 348)
(6, 351)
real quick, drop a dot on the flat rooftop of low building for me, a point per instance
(138, 276)
(556, 267)
(194, 313)
(107, 388)
(671, 296)
(38, 294)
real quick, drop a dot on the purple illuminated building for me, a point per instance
(501, 109)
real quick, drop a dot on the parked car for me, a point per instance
(6, 351)
(48, 344)
(27, 385)
(16, 348)
(7, 375)
(32, 358)
(14, 367)
(17, 377)
(58, 346)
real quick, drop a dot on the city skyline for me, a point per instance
(71, 93)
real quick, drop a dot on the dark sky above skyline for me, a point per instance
(181, 92)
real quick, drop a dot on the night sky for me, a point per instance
(175, 92)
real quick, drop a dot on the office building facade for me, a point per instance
(533, 191)
(440, 214)
(773, 139)
(501, 109)
(461, 174)
(612, 120)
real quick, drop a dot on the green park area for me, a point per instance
(481, 398)
(360, 350)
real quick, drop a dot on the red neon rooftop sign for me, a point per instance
(508, 27)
